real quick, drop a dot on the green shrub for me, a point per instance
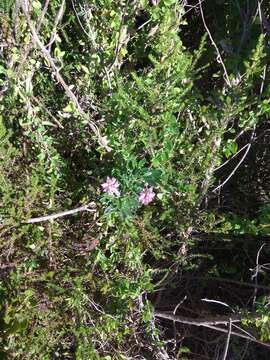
(79, 286)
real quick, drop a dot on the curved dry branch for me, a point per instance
(61, 214)
(212, 324)
(46, 54)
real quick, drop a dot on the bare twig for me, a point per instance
(248, 146)
(61, 214)
(48, 112)
(263, 80)
(244, 353)
(243, 331)
(191, 7)
(199, 321)
(242, 148)
(174, 312)
(58, 18)
(232, 157)
(227, 341)
(217, 302)
(253, 133)
(240, 162)
(234, 170)
(219, 57)
(30, 45)
(260, 14)
(46, 54)
(78, 18)
(255, 276)
(211, 324)
(245, 17)
(239, 335)
(262, 26)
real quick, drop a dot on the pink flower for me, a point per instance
(147, 195)
(111, 186)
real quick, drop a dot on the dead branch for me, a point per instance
(200, 321)
(61, 214)
(219, 57)
(212, 324)
(240, 162)
(48, 112)
(46, 54)
(227, 341)
(30, 45)
(58, 18)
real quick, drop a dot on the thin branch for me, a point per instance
(255, 139)
(191, 7)
(245, 16)
(48, 112)
(252, 136)
(208, 324)
(227, 341)
(243, 331)
(239, 335)
(226, 76)
(46, 54)
(60, 214)
(234, 170)
(262, 26)
(260, 15)
(227, 161)
(78, 18)
(30, 45)
(199, 321)
(244, 353)
(263, 80)
(217, 302)
(58, 18)
(139, 28)
(253, 133)
(255, 276)
(240, 162)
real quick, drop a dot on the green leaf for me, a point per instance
(69, 108)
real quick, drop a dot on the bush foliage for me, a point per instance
(160, 96)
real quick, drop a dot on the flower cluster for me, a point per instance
(147, 195)
(111, 186)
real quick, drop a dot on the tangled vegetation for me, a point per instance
(134, 179)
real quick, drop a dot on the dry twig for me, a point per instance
(219, 57)
(30, 45)
(58, 18)
(48, 112)
(46, 54)
(240, 162)
(211, 324)
(255, 276)
(61, 214)
(227, 341)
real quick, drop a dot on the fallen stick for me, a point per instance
(60, 214)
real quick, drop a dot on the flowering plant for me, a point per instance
(111, 186)
(147, 195)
